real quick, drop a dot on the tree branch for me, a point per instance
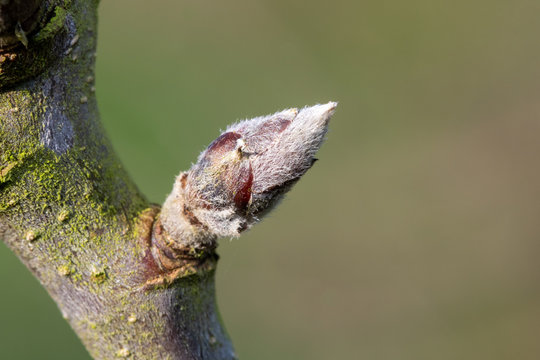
(73, 216)
(131, 281)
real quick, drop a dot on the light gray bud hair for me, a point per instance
(243, 174)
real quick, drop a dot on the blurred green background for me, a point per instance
(416, 235)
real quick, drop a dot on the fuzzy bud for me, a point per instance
(243, 174)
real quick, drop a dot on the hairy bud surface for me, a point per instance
(243, 174)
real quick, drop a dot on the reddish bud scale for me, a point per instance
(223, 144)
(243, 186)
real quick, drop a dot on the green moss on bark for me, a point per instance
(70, 211)
(55, 23)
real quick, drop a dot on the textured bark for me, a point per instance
(70, 212)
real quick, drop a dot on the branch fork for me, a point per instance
(144, 291)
